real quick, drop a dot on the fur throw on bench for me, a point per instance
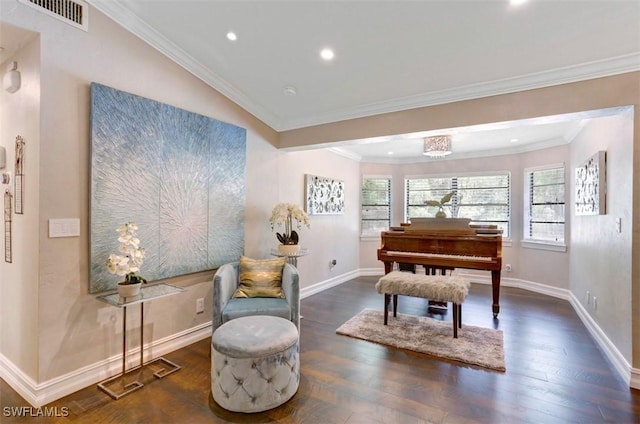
(440, 288)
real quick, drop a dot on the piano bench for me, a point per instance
(440, 288)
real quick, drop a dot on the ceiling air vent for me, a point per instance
(73, 12)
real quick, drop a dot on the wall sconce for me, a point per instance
(437, 146)
(11, 80)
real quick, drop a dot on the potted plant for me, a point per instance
(284, 215)
(440, 204)
(128, 263)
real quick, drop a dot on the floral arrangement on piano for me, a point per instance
(440, 204)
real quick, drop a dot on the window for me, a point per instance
(482, 198)
(544, 204)
(375, 213)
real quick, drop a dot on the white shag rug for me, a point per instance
(475, 345)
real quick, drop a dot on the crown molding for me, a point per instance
(115, 10)
(585, 71)
(345, 153)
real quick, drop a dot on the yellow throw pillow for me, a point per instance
(260, 277)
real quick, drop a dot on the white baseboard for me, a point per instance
(634, 383)
(518, 283)
(43, 393)
(39, 394)
(371, 272)
(612, 353)
(327, 284)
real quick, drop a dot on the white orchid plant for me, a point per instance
(130, 260)
(284, 215)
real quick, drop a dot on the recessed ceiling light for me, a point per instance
(517, 2)
(289, 90)
(389, 153)
(232, 36)
(514, 140)
(327, 54)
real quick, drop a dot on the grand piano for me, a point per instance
(445, 243)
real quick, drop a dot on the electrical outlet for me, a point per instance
(199, 305)
(332, 263)
(507, 267)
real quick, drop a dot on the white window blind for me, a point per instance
(375, 214)
(482, 198)
(545, 204)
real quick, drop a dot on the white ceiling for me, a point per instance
(390, 55)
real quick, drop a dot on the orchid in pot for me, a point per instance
(130, 260)
(288, 216)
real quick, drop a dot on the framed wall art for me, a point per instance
(323, 196)
(591, 185)
(178, 175)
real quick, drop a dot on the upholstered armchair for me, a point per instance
(226, 307)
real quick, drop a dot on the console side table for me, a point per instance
(292, 258)
(147, 293)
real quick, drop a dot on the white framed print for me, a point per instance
(323, 196)
(591, 185)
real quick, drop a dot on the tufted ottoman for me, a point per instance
(254, 363)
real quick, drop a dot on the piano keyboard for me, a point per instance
(440, 256)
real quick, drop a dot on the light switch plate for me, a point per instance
(68, 227)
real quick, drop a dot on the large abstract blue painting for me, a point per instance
(178, 175)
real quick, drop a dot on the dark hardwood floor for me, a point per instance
(555, 374)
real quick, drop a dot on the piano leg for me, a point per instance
(395, 305)
(495, 284)
(388, 267)
(455, 320)
(387, 299)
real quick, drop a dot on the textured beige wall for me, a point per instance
(600, 256)
(330, 236)
(20, 115)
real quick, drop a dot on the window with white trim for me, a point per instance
(482, 198)
(544, 208)
(375, 212)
